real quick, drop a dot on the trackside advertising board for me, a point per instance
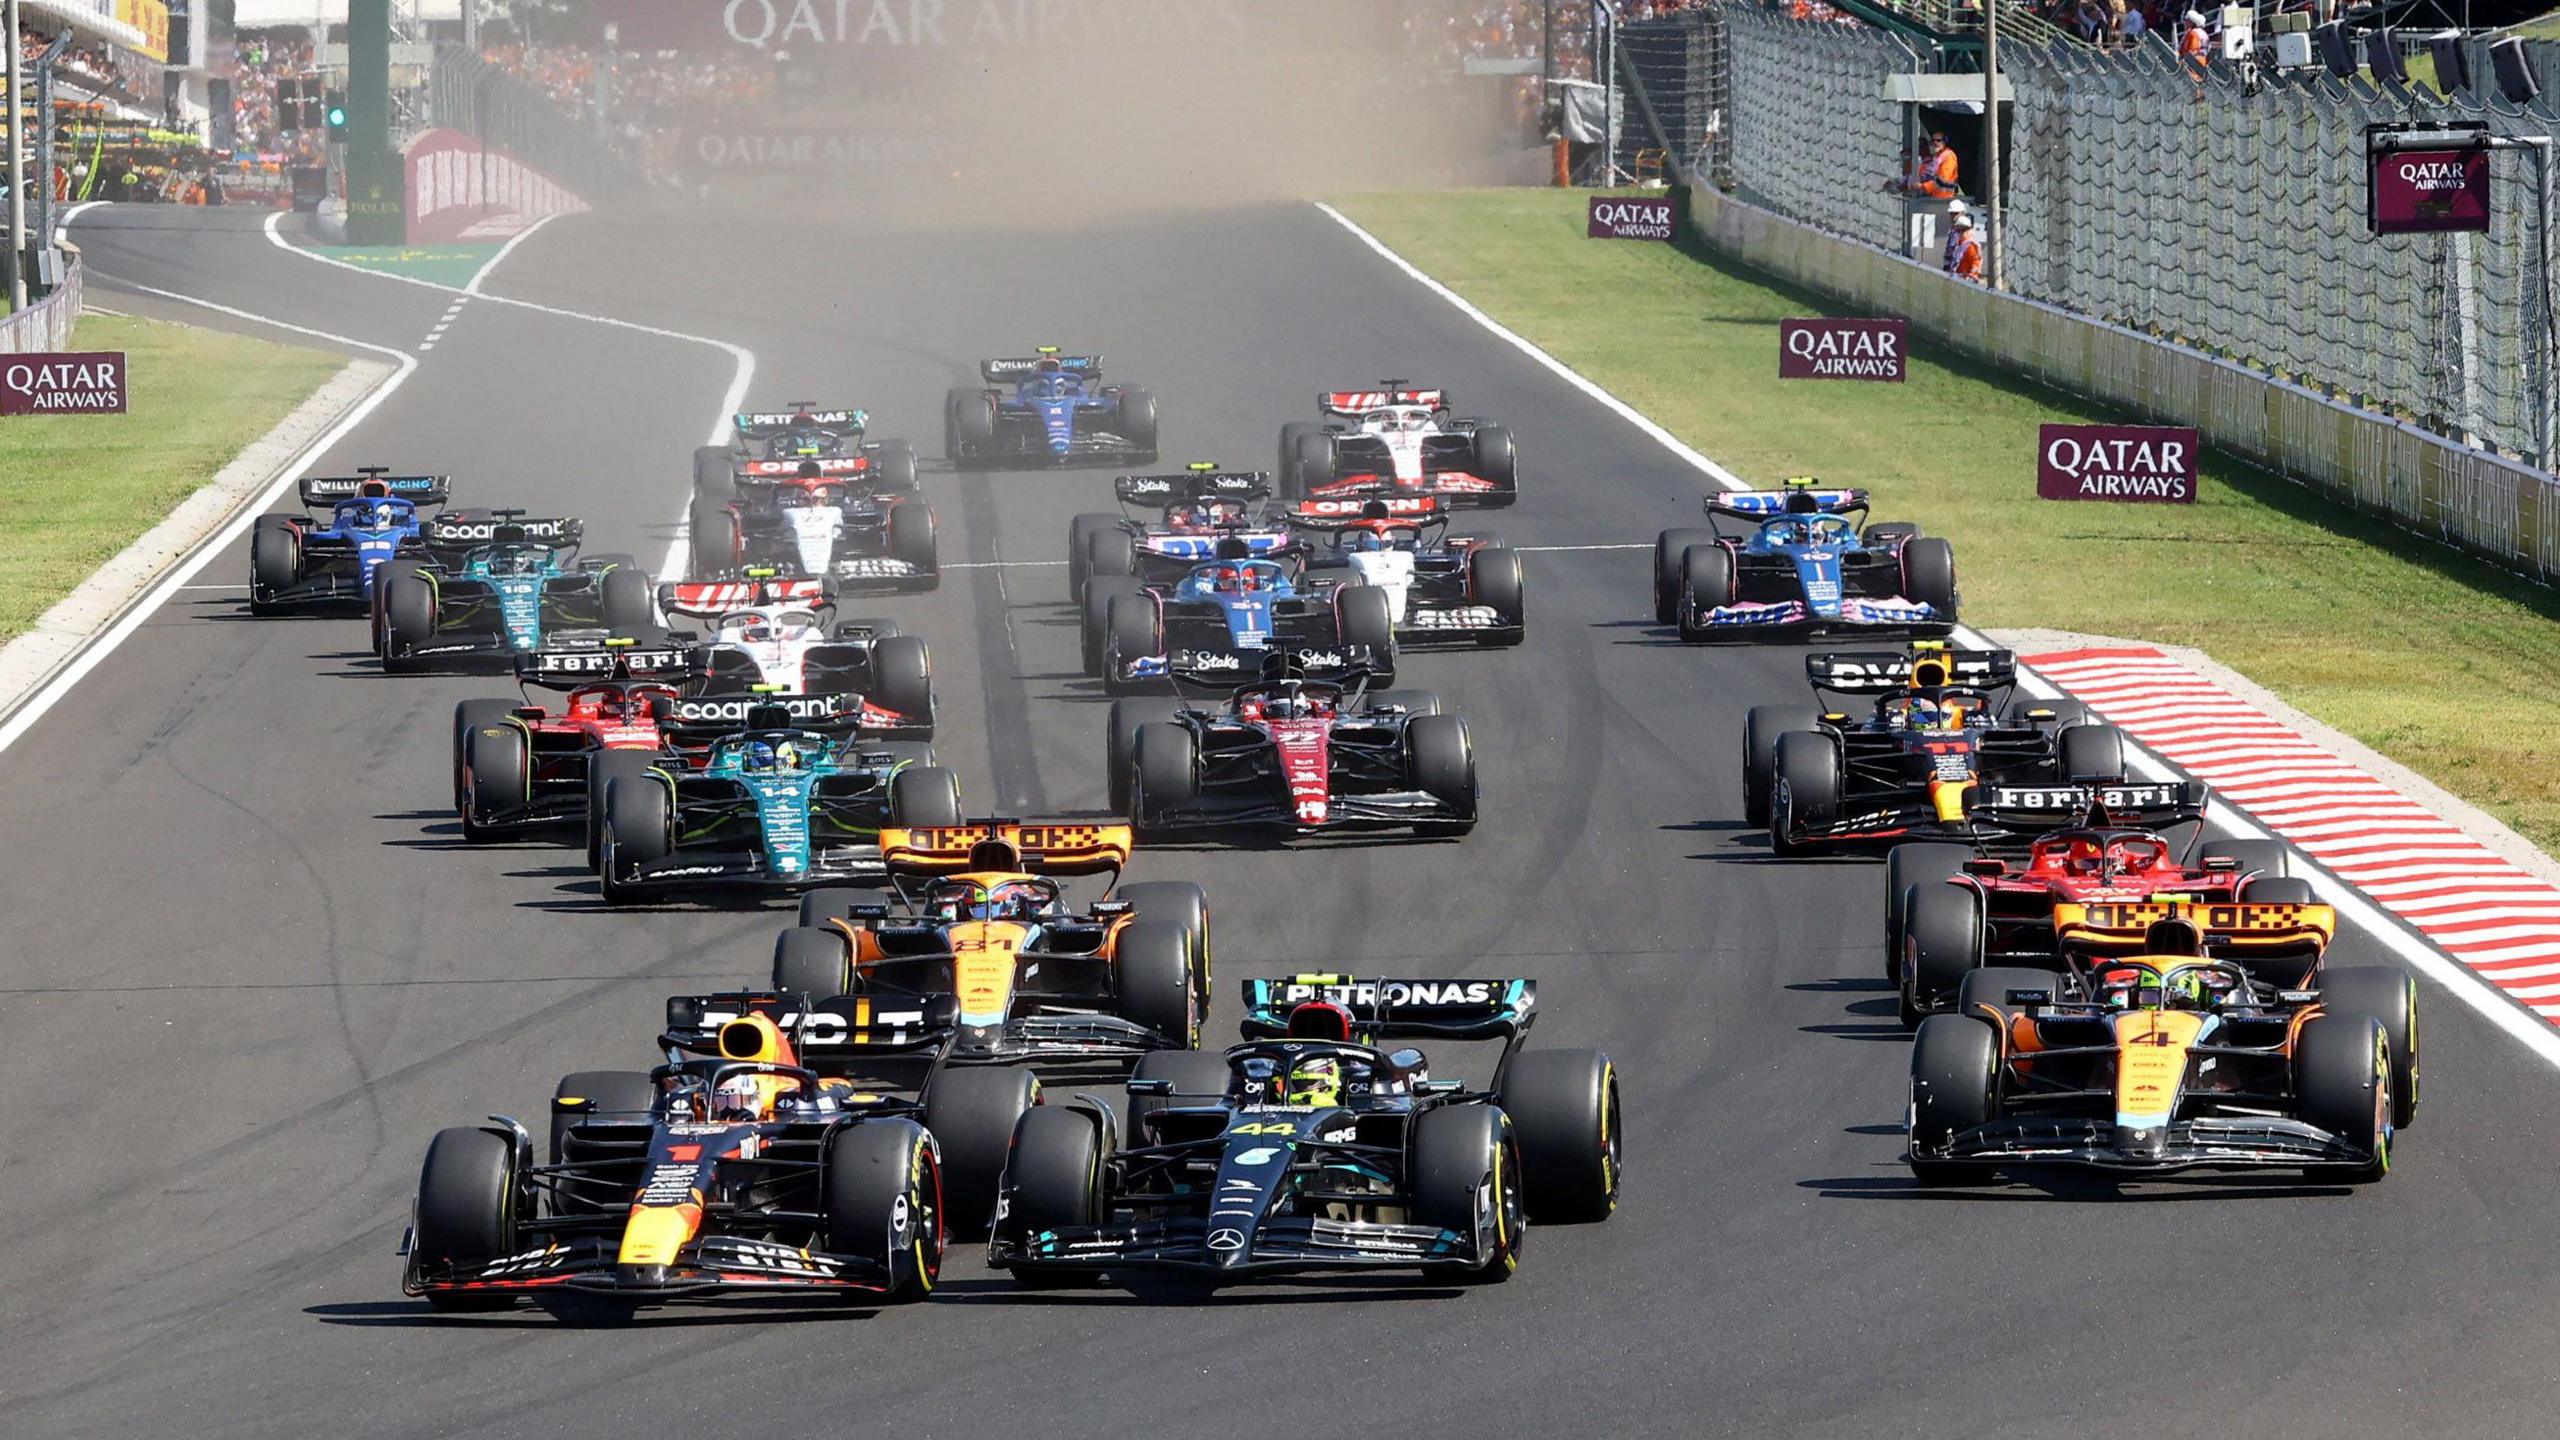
(1841, 349)
(1624, 217)
(2151, 464)
(2426, 188)
(81, 382)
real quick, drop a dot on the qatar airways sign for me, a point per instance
(2415, 191)
(1841, 349)
(2144, 463)
(85, 382)
(1620, 217)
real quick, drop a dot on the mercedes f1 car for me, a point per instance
(733, 1169)
(1195, 511)
(776, 633)
(2159, 1058)
(1397, 441)
(1214, 624)
(774, 445)
(1312, 1147)
(1444, 588)
(1941, 755)
(773, 807)
(296, 561)
(1290, 753)
(503, 595)
(1048, 407)
(1805, 568)
(848, 528)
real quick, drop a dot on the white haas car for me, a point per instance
(1456, 589)
(1397, 441)
(774, 635)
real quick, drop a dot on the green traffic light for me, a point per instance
(338, 115)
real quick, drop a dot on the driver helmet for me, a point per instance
(787, 755)
(2130, 857)
(1316, 1080)
(1290, 704)
(1013, 900)
(1199, 515)
(756, 756)
(2087, 857)
(381, 516)
(514, 561)
(1923, 713)
(741, 1097)
(1235, 580)
(1364, 540)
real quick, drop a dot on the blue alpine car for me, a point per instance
(1808, 564)
(1048, 408)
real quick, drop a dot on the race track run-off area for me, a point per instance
(253, 967)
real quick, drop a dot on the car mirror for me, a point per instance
(1435, 1087)
(1150, 1087)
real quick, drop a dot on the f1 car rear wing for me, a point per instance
(1342, 514)
(821, 1028)
(1762, 504)
(765, 710)
(1383, 1009)
(831, 467)
(1882, 672)
(711, 599)
(1227, 669)
(1017, 367)
(752, 424)
(1360, 402)
(557, 531)
(2228, 928)
(2136, 806)
(1040, 847)
(320, 491)
(1191, 487)
(568, 664)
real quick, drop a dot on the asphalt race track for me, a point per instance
(250, 967)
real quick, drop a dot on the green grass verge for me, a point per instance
(77, 489)
(2431, 657)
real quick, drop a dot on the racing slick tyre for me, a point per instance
(1459, 1153)
(620, 1097)
(1807, 795)
(2342, 1083)
(1152, 965)
(1563, 1106)
(467, 1197)
(1128, 632)
(1080, 533)
(1315, 464)
(893, 466)
(1287, 472)
(1186, 905)
(1362, 616)
(2391, 997)
(1096, 598)
(925, 797)
(1668, 547)
(1497, 460)
(1761, 728)
(275, 560)
(714, 478)
(1706, 583)
(1941, 944)
(605, 767)
(912, 538)
(1199, 1078)
(408, 619)
(968, 425)
(1138, 419)
(497, 775)
(1053, 1181)
(880, 1186)
(628, 605)
(2254, 857)
(834, 902)
(902, 676)
(1441, 758)
(2090, 752)
(1107, 552)
(381, 586)
(1929, 576)
(470, 715)
(811, 963)
(712, 532)
(639, 826)
(971, 1113)
(1954, 1077)
(1905, 866)
(1120, 745)
(1168, 775)
(1494, 579)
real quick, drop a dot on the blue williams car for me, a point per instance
(1808, 564)
(1212, 626)
(1048, 408)
(774, 807)
(501, 598)
(298, 561)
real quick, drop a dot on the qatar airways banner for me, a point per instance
(1841, 349)
(2153, 464)
(2424, 192)
(817, 27)
(459, 189)
(1618, 217)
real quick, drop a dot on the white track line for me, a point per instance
(472, 285)
(176, 580)
(2493, 1004)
